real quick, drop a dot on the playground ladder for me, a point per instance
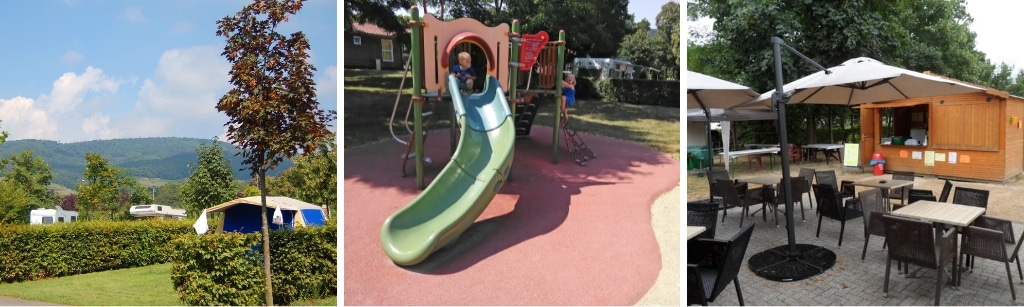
(578, 149)
(525, 113)
(426, 129)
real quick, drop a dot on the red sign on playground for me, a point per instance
(532, 43)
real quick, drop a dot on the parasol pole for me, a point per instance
(779, 100)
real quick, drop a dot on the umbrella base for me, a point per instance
(778, 265)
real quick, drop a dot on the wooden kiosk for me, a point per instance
(975, 136)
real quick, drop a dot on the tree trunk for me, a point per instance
(266, 238)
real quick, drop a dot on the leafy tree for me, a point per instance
(919, 35)
(210, 183)
(99, 192)
(32, 174)
(380, 13)
(15, 203)
(168, 194)
(315, 176)
(69, 202)
(272, 108)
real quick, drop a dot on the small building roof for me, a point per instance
(286, 203)
(369, 28)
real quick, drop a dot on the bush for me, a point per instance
(227, 269)
(585, 89)
(30, 252)
(646, 92)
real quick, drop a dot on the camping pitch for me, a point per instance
(243, 214)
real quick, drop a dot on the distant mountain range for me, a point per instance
(163, 157)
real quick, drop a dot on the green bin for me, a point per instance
(697, 157)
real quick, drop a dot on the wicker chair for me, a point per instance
(897, 193)
(723, 175)
(798, 186)
(712, 264)
(829, 206)
(874, 207)
(808, 175)
(845, 188)
(732, 198)
(913, 241)
(970, 197)
(993, 238)
(946, 187)
(703, 214)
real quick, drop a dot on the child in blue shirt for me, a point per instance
(464, 72)
(568, 93)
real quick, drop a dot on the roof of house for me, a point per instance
(370, 28)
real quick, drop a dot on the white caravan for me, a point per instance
(49, 216)
(156, 211)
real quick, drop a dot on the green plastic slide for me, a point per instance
(464, 188)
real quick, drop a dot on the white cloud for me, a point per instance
(133, 14)
(327, 84)
(181, 98)
(72, 57)
(24, 120)
(69, 91)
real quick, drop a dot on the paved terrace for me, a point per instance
(855, 282)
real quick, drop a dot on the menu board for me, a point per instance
(851, 154)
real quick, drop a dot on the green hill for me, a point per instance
(164, 157)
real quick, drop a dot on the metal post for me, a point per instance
(417, 100)
(515, 41)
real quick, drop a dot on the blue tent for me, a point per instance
(243, 214)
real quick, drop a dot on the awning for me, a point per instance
(286, 203)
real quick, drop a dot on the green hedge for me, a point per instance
(585, 89)
(637, 91)
(30, 252)
(226, 269)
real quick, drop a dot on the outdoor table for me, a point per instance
(766, 181)
(941, 214)
(693, 231)
(756, 146)
(828, 148)
(885, 185)
(728, 156)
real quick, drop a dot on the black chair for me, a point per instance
(919, 194)
(712, 264)
(808, 175)
(993, 238)
(897, 193)
(829, 206)
(873, 207)
(970, 197)
(845, 188)
(732, 198)
(723, 175)
(798, 186)
(913, 241)
(946, 187)
(703, 214)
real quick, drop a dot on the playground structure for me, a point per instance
(490, 122)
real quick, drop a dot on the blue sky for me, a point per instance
(646, 9)
(77, 70)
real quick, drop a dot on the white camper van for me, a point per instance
(156, 211)
(49, 216)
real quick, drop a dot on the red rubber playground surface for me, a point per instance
(556, 234)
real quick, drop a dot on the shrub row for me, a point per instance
(30, 252)
(227, 269)
(638, 91)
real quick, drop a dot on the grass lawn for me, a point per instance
(369, 99)
(145, 286)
